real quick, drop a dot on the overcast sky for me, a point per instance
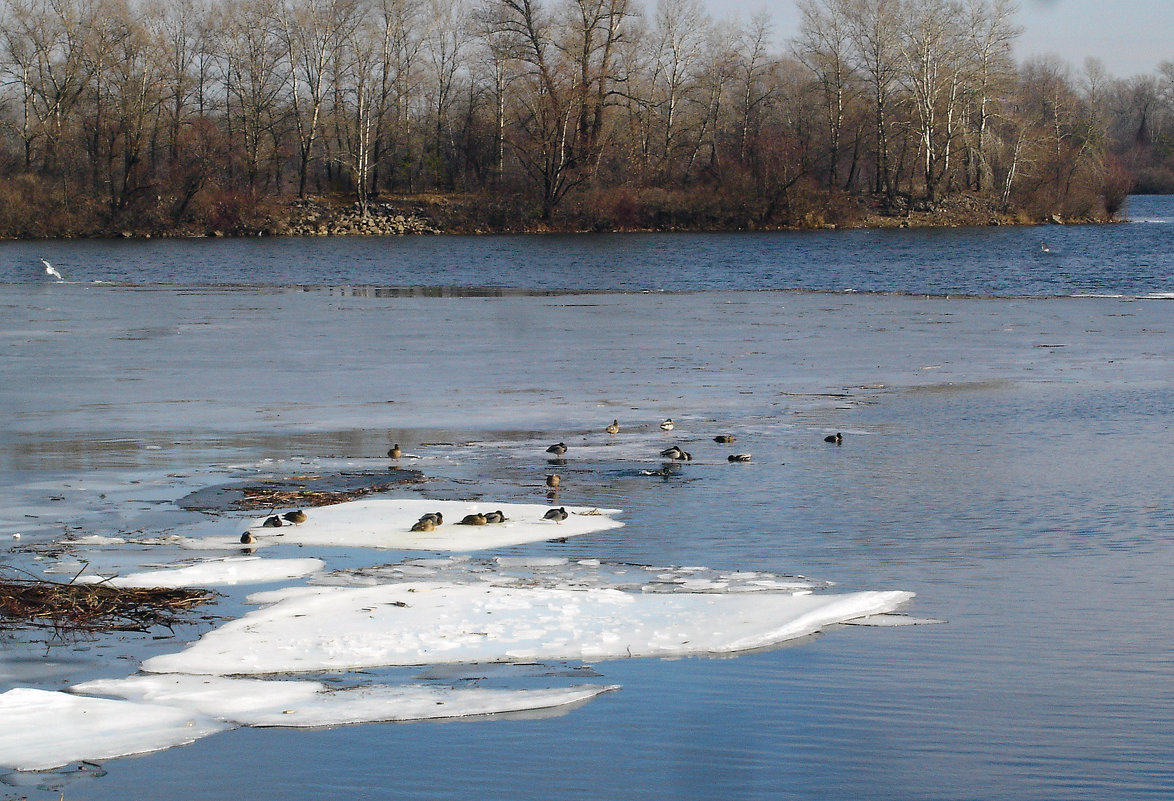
(1129, 36)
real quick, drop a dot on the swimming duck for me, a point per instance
(558, 449)
(295, 517)
(614, 428)
(557, 515)
(425, 523)
(247, 538)
(739, 457)
(394, 452)
(273, 521)
(837, 438)
(667, 425)
(495, 517)
(724, 439)
(553, 479)
(475, 519)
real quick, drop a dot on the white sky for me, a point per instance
(1129, 36)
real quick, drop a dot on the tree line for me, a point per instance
(174, 114)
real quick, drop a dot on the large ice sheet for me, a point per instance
(387, 523)
(325, 628)
(43, 729)
(225, 572)
(301, 704)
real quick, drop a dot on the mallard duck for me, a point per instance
(436, 517)
(495, 517)
(837, 438)
(273, 521)
(614, 428)
(425, 523)
(394, 452)
(558, 449)
(475, 519)
(724, 439)
(667, 425)
(557, 515)
(676, 453)
(295, 517)
(247, 538)
(739, 457)
(553, 480)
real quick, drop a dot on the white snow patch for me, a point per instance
(301, 704)
(226, 572)
(44, 729)
(331, 628)
(387, 523)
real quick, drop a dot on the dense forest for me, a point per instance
(170, 116)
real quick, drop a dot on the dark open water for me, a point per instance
(1008, 457)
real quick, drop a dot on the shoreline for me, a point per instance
(432, 214)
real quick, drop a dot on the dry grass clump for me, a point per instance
(90, 608)
(270, 498)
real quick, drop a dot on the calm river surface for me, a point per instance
(1008, 448)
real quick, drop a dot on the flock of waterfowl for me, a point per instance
(431, 520)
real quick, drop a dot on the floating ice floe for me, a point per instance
(387, 523)
(303, 704)
(43, 729)
(331, 628)
(226, 572)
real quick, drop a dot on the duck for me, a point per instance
(676, 453)
(295, 517)
(724, 439)
(557, 449)
(739, 457)
(495, 517)
(394, 452)
(557, 515)
(425, 523)
(273, 521)
(667, 425)
(837, 438)
(475, 519)
(437, 518)
(247, 538)
(553, 480)
(614, 428)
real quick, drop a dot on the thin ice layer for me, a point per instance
(325, 628)
(387, 523)
(44, 729)
(299, 704)
(226, 572)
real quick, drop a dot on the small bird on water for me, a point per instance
(295, 517)
(667, 425)
(837, 438)
(676, 453)
(394, 452)
(739, 457)
(724, 439)
(557, 515)
(247, 538)
(557, 449)
(553, 480)
(273, 521)
(614, 428)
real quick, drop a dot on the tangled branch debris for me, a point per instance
(89, 608)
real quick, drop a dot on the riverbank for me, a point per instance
(488, 213)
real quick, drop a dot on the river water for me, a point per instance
(1006, 411)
